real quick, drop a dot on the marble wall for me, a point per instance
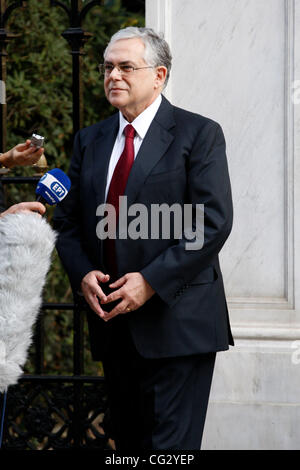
(238, 62)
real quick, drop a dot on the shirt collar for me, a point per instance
(142, 122)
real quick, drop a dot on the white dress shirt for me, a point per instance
(141, 125)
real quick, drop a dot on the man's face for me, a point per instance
(134, 92)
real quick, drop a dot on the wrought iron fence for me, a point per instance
(43, 411)
(47, 412)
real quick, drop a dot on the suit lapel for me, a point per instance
(102, 150)
(154, 146)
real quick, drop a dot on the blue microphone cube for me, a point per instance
(53, 186)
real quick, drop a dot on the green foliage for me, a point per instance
(39, 73)
(39, 99)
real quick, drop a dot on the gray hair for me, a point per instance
(157, 50)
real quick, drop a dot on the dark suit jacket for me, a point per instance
(182, 160)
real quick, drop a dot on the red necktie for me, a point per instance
(117, 188)
(122, 170)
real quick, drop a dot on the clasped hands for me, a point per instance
(132, 291)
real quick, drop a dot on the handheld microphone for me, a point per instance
(53, 187)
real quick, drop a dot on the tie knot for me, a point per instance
(129, 131)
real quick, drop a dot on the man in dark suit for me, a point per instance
(158, 313)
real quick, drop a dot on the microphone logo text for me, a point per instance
(57, 189)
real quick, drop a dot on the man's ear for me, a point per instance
(161, 74)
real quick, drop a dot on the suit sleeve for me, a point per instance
(208, 183)
(67, 223)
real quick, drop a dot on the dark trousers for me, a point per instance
(155, 404)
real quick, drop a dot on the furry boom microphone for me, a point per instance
(26, 244)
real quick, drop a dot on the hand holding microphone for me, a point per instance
(25, 207)
(51, 189)
(23, 154)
